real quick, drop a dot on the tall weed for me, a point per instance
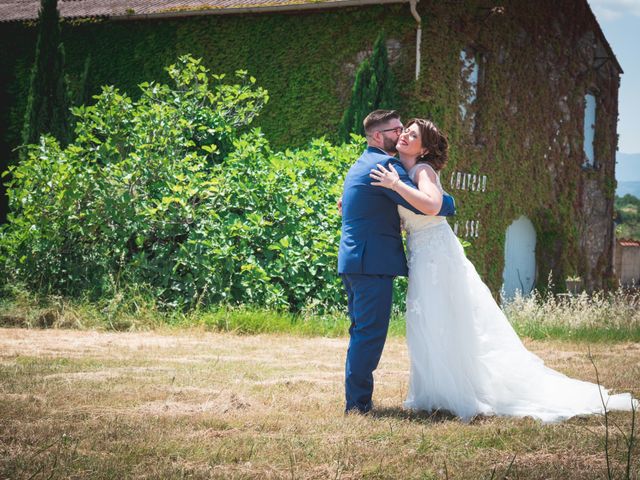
(601, 315)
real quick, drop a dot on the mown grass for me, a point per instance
(196, 404)
(240, 392)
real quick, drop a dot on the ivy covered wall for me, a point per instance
(524, 130)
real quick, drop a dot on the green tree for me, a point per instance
(373, 88)
(47, 105)
(628, 217)
(79, 85)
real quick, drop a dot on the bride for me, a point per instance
(465, 356)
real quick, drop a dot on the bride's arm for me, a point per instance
(427, 197)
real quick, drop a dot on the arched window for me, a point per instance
(519, 273)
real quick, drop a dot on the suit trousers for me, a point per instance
(370, 298)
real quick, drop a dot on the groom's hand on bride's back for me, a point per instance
(448, 208)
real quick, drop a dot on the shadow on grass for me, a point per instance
(426, 417)
(418, 416)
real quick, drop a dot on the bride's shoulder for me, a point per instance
(424, 167)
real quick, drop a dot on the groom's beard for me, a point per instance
(390, 145)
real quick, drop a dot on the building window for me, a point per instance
(470, 75)
(589, 130)
(471, 79)
(519, 274)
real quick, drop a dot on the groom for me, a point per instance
(371, 254)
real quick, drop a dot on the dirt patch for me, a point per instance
(223, 402)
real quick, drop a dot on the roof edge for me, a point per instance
(177, 13)
(314, 5)
(604, 39)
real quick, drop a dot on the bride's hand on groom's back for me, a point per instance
(385, 178)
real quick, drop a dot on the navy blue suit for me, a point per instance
(371, 254)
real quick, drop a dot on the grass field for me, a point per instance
(196, 404)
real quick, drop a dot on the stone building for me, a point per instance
(627, 262)
(527, 92)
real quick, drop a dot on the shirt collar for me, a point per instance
(379, 150)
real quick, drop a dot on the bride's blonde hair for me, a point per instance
(434, 141)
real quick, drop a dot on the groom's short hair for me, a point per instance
(377, 118)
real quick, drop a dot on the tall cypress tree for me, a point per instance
(47, 105)
(374, 88)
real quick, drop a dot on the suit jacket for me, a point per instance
(371, 242)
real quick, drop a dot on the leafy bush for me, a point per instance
(173, 193)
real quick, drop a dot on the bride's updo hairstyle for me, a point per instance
(434, 141)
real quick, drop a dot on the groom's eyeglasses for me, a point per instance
(397, 130)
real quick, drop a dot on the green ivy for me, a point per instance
(528, 114)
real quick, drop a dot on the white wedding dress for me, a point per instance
(465, 356)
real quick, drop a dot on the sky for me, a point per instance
(620, 22)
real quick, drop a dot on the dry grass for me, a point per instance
(83, 404)
(601, 316)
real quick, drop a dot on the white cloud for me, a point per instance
(613, 9)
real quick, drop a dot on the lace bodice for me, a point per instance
(413, 222)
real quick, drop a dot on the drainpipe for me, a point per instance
(414, 12)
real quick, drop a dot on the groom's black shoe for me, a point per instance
(356, 409)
